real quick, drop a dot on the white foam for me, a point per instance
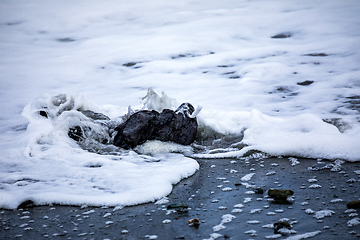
(54, 169)
(304, 235)
(304, 135)
(226, 218)
(246, 82)
(247, 177)
(323, 213)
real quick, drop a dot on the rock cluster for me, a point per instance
(175, 126)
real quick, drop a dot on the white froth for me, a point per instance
(104, 57)
(54, 169)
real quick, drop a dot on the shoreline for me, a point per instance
(221, 187)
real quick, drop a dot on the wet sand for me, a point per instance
(214, 191)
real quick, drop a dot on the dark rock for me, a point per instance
(282, 35)
(136, 130)
(280, 225)
(353, 204)
(194, 222)
(26, 204)
(259, 191)
(179, 207)
(43, 114)
(175, 126)
(76, 133)
(278, 194)
(130, 64)
(94, 115)
(305, 83)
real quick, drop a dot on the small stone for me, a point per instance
(259, 191)
(26, 204)
(280, 196)
(43, 114)
(280, 225)
(353, 204)
(305, 83)
(179, 207)
(194, 222)
(277, 193)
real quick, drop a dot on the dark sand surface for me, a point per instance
(211, 193)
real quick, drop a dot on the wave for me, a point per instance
(47, 166)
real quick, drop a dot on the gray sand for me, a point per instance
(211, 193)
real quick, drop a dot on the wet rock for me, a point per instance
(179, 207)
(94, 115)
(259, 191)
(26, 204)
(277, 193)
(280, 196)
(194, 222)
(305, 83)
(76, 133)
(131, 64)
(353, 204)
(43, 113)
(136, 130)
(281, 225)
(175, 126)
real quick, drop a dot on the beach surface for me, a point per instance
(224, 195)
